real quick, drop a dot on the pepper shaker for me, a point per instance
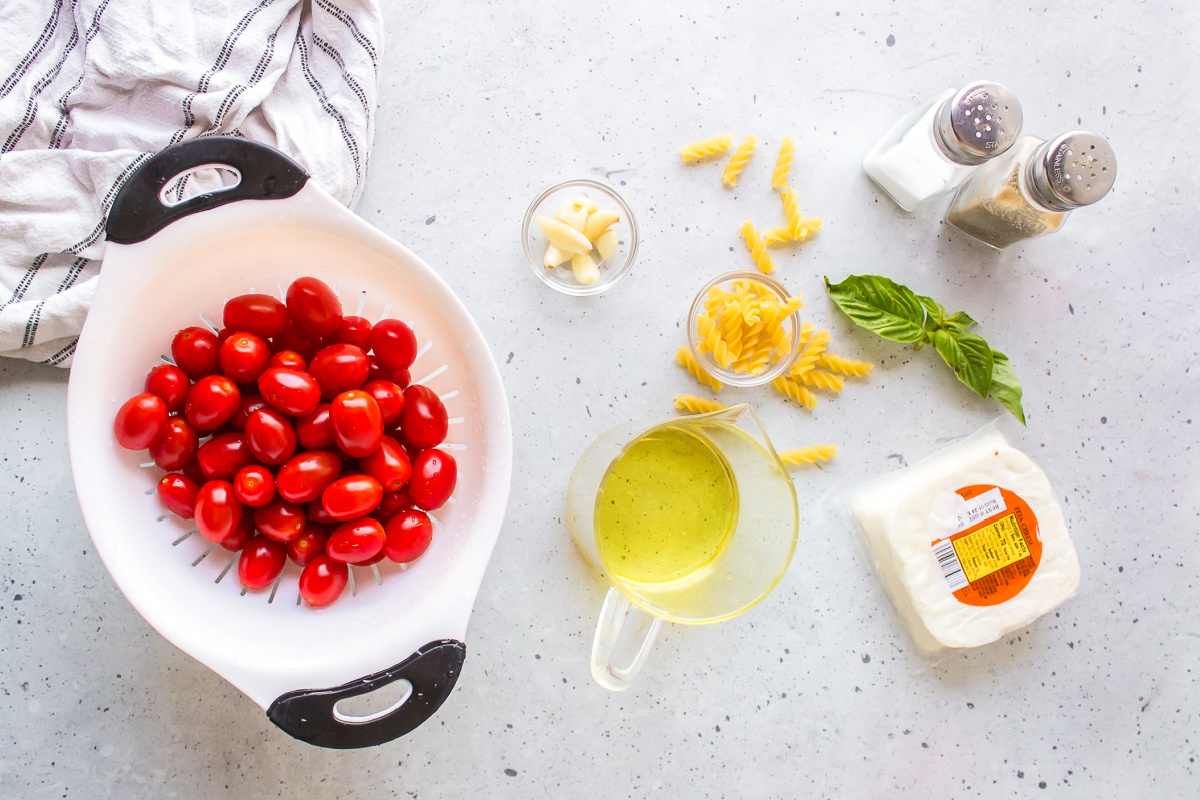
(933, 149)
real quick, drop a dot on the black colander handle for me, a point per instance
(432, 671)
(138, 211)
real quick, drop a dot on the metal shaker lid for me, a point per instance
(979, 122)
(1074, 170)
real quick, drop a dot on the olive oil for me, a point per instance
(666, 507)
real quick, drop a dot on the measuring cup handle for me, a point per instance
(624, 636)
(311, 716)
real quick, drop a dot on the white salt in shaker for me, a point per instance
(932, 150)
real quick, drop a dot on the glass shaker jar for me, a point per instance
(933, 149)
(1033, 189)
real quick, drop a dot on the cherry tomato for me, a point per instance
(389, 397)
(408, 535)
(308, 545)
(314, 306)
(355, 331)
(280, 520)
(299, 340)
(192, 471)
(254, 485)
(240, 535)
(178, 494)
(351, 496)
(338, 368)
(389, 465)
(433, 479)
(243, 357)
(270, 435)
(394, 344)
(222, 335)
(195, 350)
(259, 314)
(392, 504)
(290, 390)
(304, 478)
(170, 383)
(315, 431)
(223, 455)
(261, 562)
(423, 420)
(378, 372)
(288, 358)
(317, 513)
(212, 401)
(356, 541)
(177, 447)
(323, 580)
(250, 404)
(218, 511)
(141, 421)
(357, 423)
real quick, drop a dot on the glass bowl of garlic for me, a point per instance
(580, 237)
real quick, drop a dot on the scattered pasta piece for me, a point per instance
(820, 379)
(783, 164)
(738, 161)
(798, 227)
(801, 394)
(685, 359)
(758, 248)
(706, 148)
(808, 455)
(697, 405)
(846, 366)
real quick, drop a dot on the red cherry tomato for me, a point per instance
(408, 535)
(351, 496)
(288, 358)
(357, 423)
(259, 314)
(222, 456)
(261, 562)
(270, 435)
(314, 306)
(322, 581)
(308, 545)
(356, 541)
(394, 344)
(423, 420)
(389, 397)
(195, 350)
(254, 485)
(315, 431)
(192, 471)
(142, 421)
(241, 534)
(212, 401)
(243, 357)
(355, 331)
(392, 504)
(299, 340)
(389, 465)
(317, 513)
(218, 511)
(378, 372)
(280, 520)
(178, 494)
(434, 476)
(249, 404)
(177, 447)
(290, 390)
(338, 368)
(305, 477)
(170, 383)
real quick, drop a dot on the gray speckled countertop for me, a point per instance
(817, 691)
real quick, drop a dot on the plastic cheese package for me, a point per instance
(970, 543)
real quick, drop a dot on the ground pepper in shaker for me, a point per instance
(933, 149)
(1033, 189)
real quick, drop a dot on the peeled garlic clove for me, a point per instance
(584, 268)
(573, 212)
(606, 244)
(599, 221)
(563, 236)
(554, 257)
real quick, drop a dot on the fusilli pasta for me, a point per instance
(738, 161)
(846, 366)
(808, 455)
(758, 247)
(705, 148)
(783, 164)
(688, 361)
(801, 394)
(697, 405)
(820, 379)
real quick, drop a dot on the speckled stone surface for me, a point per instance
(817, 691)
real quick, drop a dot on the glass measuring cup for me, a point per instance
(693, 520)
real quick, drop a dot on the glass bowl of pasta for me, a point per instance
(580, 236)
(744, 328)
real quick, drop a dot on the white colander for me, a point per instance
(168, 267)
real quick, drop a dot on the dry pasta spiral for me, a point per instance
(758, 248)
(808, 455)
(783, 165)
(697, 405)
(820, 379)
(846, 366)
(801, 394)
(738, 161)
(688, 361)
(705, 148)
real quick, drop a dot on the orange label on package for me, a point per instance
(996, 547)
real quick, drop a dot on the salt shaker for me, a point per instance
(933, 149)
(1033, 189)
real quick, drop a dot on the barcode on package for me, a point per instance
(952, 569)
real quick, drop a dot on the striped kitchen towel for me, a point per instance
(91, 88)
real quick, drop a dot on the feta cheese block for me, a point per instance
(970, 543)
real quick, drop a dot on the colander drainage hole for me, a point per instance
(358, 710)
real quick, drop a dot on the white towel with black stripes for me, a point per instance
(92, 86)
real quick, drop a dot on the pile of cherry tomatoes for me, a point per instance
(293, 433)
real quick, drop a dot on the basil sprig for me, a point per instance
(895, 312)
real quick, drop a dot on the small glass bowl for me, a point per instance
(561, 278)
(777, 366)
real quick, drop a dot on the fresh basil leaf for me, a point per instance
(1006, 389)
(961, 319)
(935, 310)
(969, 356)
(882, 306)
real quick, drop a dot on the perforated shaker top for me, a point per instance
(979, 122)
(1074, 170)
